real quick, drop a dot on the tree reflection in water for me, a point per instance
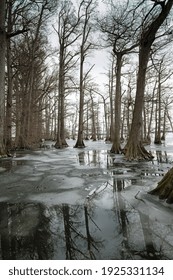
(149, 250)
(105, 227)
(24, 232)
(93, 158)
(32, 231)
(79, 242)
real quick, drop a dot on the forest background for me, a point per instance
(50, 92)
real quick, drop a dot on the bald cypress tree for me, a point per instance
(2, 74)
(134, 148)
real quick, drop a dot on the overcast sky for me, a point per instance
(100, 58)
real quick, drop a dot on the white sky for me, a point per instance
(101, 61)
(98, 57)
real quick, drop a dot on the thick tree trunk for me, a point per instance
(2, 75)
(164, 188)
(8, 123)
(80, 142)
(117, 123)
(60, 140)
(134, 148)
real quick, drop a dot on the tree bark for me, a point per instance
(111, 86)
(60, 141)
(93, 119)
(157, 139)
(84, 48)
(117, 123)
(8, 123)
(2, 75)
(134, 148)
(80, 142)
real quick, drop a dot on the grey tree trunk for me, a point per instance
(134, 149)
(157, 139)
(117, 122)
(60, 141)
(111, 86)
(80, 142)
(2, 75)
(8, 123)
(93, 119)
(84, 48)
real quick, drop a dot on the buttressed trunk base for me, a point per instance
(136, 151)
(164, 188)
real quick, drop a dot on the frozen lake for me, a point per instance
(84, 204)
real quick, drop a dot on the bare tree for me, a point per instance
(67, 31)
(134, 148)
(2, 74)
(19, 21)
(87, 8)
(119, 27)
(44, 84)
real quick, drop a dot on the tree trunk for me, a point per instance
(151, 114)
(31, 87)
(123, 124)
(60, 141)
(80, 142)
(134, 148)
(87, 122)
(106, 121)
(164, 125)
(84, 48)
(111, 86)
(117, 123)
(93, 119)
(8, 123)
(2, 75)
(157, 139)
